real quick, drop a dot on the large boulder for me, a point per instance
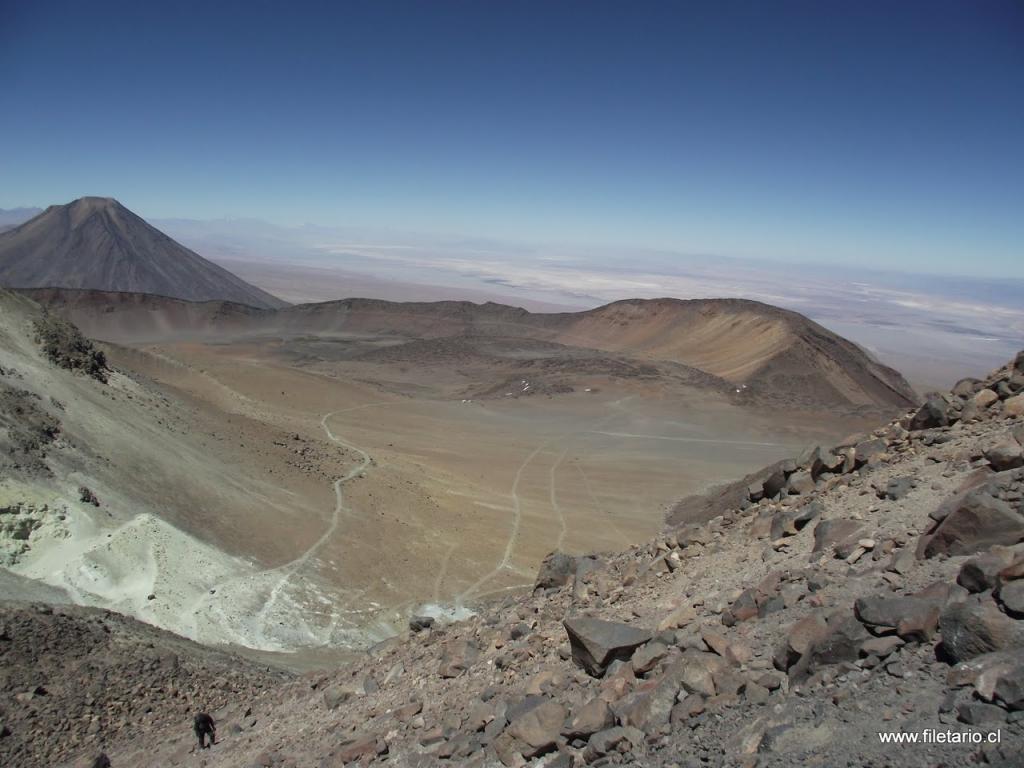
(967, 387)
(1011, 596)
(1014, 406)
(457, 657)
(743, 608)
(841, 535)
(1005, 454)
(981, 573)
(934, 413)
(555, 571)
(538, 729)
(596, 643)
(866, 450)
(800, 482)
(984, 398)
(912, 618)
(976, 626)
(799, 638)
(792, 520)
(647, 708)
(978, 521)
(817, 460)
(1009, 686)
(840, 642)
(774, 484)
(592, 717)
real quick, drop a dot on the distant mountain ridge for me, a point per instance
(12, 217)
(753, 345)
(96, 243)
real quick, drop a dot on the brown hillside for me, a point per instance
(760, 348)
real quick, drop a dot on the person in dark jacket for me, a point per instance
(204, 726)
(101, 761)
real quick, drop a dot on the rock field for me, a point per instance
(872, 587)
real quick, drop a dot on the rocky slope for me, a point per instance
(92, 506)
(97, 243)
(871, 588)
(71, 676)
(769, 355)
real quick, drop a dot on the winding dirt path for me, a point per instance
(554, 498)
(442, 572)
(514, 533)
(291, 568)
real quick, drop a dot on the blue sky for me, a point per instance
(876, 134)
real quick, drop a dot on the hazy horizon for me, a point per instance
(933, 328)
(792, 132)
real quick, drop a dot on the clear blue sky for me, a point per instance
(882, 134)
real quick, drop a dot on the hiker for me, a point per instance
(101, 761)
(204, 726)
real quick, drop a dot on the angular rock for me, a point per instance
(979, 713)
(539, 728)
(967, 387)
(841, 643)
(679, 617)
(774, 484)
(695, 672)
(361, 748)
(799, 639)
(1011, 596)
(592, 717)
(596, 643)
(755, 491)
(984, 398)
(1009, 686)
(977, 626)
(457, 657)
(659, 566)
(840, 534)
(881, 646)
(913, 618)
(981, 573)
(1004, 455)
(812, 460)
(791, 521)
(867, 450)
(407, 712)
(970, 411)
(743, 608)
(618, 739)
(647, 658)
(648, 708)
(977, 522)
(934, 413)
(983, 671)
(556, 570)
(800, 483)
(1014, 406)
